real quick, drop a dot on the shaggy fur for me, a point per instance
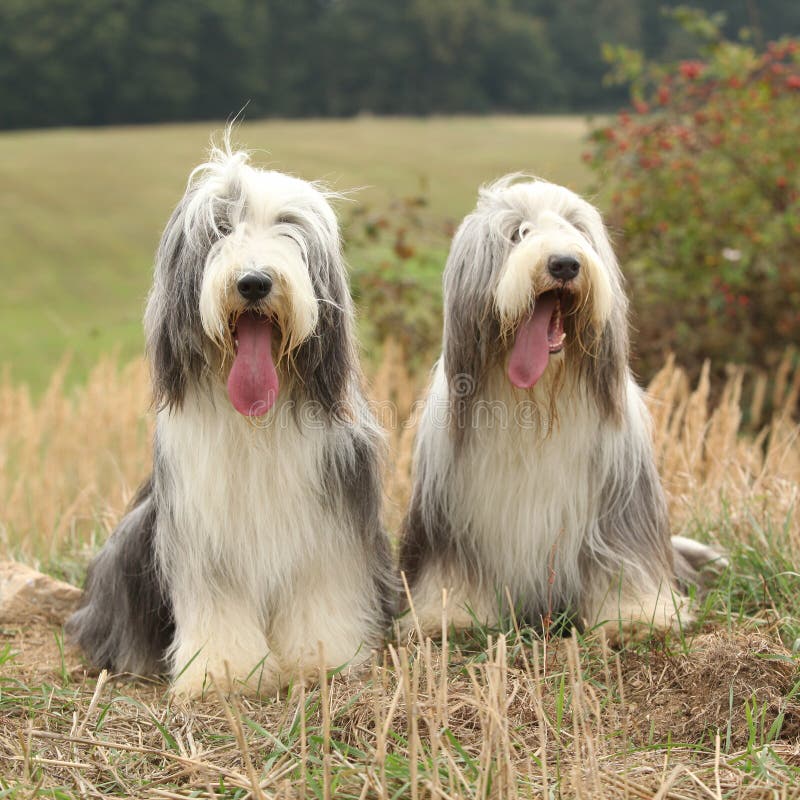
(259, 535)
(547, 493)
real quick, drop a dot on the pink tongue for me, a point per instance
(531, 351)
(253, 382)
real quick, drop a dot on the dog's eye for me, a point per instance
(521, 232)
(288, 227)
(582, 230)
(223, 228)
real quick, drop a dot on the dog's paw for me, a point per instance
(191, 685)
(204, 681)
(633, 621)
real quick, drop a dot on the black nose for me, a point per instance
(254, 286)
(563, 268)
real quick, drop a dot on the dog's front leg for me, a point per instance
(336, 614)
(220, 637)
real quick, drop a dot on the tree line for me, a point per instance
(98, 62)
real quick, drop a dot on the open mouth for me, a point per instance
(539, 336)
(253, 380)
(555, 329)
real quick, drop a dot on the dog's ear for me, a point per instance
(327, 359)
(173, 330)
(607, 368)
(471, 328)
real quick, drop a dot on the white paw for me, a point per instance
(203, 678)
(635, 621)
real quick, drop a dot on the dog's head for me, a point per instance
(532, 285)
(250, 288)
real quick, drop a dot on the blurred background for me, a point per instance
(107, 62)
(681, 123)
(383, 96)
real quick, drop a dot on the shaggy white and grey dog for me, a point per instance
(534, 475)
(259, 534)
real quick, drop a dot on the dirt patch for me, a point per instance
(689, 696)
(36, 653)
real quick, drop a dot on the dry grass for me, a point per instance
(497, 714)
(69, 462)
(505, 718)
(723, 461)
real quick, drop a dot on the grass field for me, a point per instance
(81, 211)
(713, 712)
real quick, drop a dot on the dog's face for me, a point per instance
(531, 281)
(553, 287)
(250, 289)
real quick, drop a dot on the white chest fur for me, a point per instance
(246, 501)
(524, 495)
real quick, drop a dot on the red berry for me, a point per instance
(691, 69)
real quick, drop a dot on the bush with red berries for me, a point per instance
(701, 180)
